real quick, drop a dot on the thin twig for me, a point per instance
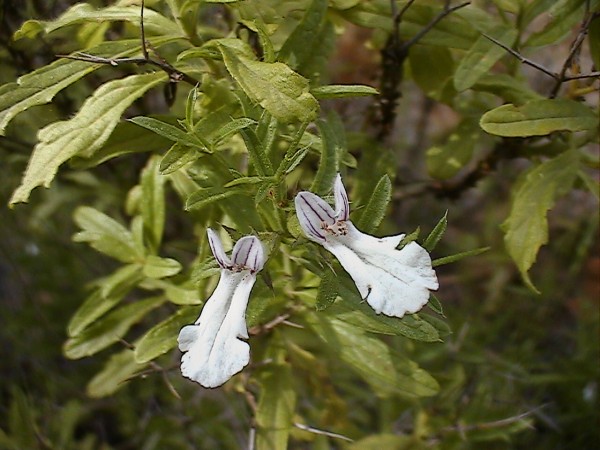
(427, 28)
(522, 58)
(322, 432)
(174, 74)
(260, 329)
(489, 425)
(575, 48)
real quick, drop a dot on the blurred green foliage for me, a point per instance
(242, 105)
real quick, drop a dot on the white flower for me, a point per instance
(213, 345)
(394, 282)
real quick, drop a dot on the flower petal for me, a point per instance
(217, 249)
(313, 212)
(248, 253)
(393, 282)
(342, 205)
(214, 349)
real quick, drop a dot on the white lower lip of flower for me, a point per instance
(213, 346)
(393, 282)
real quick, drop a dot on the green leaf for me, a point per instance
(83, 134)
(232, 127)
(332, 138)
(163, 337)
(436, 234)
(343, 91)
(152, 203)
(157, 267)
(539, 118)
(119, 369)
(435, 305)
(110, 329)
(563, 16)
(154, 23)
(432, 82)
(126, 138)
(171, 132)
(205, 196)
(177, 157)
(111, 291)
(354, 311)
(106, 235)
(458, 256)
(374, 212)
(482, 56)
(509, 88)
(446, 160)
(276, 87)
(298, 48)
(388, 441)
(328, 290)
(257, 153)
(276, 407)
(41, 85)
(386, 371)
(526, 228)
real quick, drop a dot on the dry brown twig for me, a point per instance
(175, 75)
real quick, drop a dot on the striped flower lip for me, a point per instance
(393, 282)
(213, 347)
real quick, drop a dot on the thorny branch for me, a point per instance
(393, 55)
(174, 74)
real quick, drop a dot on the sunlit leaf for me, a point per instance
(539, 118)
(163, 337)
(113, 288)
(154, 23)
(105, 235)
(343, 91)
(274, 86)
(83, 134)
(157, 267)
(109, 329)
(152, 203)
(526, 227)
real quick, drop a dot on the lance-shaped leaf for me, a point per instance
(446, 160)
(83, 134)
(482, 56)
(41, 85)
(106, 235)
(343, 91)
(276, 407)
(154, 23)
(386, 371)
(299, 47)
(110, 329)
(276, 87)
(332, 137)
(113, 288)
(539, 118)
(526, 226)
(163, 337)
(152, 203)
(119, 369)
(374, 212)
